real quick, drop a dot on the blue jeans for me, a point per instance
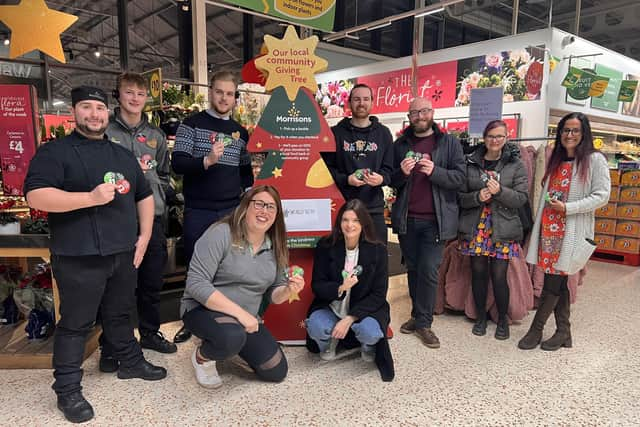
(321, 322)
(422, 251)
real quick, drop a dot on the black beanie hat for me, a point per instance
(83, 93)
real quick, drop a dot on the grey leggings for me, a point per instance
(223, 337)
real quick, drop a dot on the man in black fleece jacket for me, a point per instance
(211, 152)
(363, 161)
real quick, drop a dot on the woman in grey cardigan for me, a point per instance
(576, 183)
(489, 226)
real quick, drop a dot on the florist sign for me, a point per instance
(518, 72)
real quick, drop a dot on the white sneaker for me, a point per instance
(368, 356)
(330, 353)
(206, 373)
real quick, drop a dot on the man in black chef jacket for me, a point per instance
(100, 216)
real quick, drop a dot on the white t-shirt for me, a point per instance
(341, 307)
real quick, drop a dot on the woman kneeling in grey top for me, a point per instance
(236, 263)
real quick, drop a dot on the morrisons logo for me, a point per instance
(16, 70)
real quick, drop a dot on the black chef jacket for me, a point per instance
(78, 164)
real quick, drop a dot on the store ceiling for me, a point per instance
(153, 35)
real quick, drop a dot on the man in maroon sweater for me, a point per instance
(429, 170)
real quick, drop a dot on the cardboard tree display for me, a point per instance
(293, 132)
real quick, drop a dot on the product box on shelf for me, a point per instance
(627, 228)
(629, 194)
(604, 242)
(605, 226)
(607, 211)
(630, 178)
(615, 177)
(627, 244)
(615, 194)
(631, 211)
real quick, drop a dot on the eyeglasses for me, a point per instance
(423, 111)
(575, 131)
(260, 205)
(495, 137)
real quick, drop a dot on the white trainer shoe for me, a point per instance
(206, 373)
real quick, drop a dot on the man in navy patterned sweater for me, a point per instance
(211, 152)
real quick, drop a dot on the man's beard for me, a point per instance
(92, 134)
(360, 113)
(216, 109)
(419, 128)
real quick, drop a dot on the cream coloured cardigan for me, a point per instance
(584, 198)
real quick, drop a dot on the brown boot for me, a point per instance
(562, 337)
(547, 303)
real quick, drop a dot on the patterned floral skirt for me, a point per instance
(482, 243)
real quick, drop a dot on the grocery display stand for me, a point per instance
(16, 350)
(617, 230)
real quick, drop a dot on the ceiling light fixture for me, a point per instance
(377, 27)
(430, 12)
(6, 41)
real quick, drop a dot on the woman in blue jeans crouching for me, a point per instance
(350, 282)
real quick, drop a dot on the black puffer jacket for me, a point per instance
(504, 205)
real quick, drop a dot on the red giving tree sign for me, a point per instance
(18, 110)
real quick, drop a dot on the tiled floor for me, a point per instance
(468, 381)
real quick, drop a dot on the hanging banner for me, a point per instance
(627, 90)
(609, 100)
(632, 107)
(310, 13)
(582, 86)
(18, 137)
(485, 106)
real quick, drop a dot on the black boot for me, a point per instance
(75, 407)
(157, 341)
(502, 330)
(182, 335)
(480, 327)
(144, 370)
(547, 303)
(107, 364)
(562, 337)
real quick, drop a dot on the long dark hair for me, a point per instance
(368, 234)
(583, 150)
(277, 231)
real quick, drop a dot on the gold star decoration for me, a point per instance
(291, 63)
(259, 145)
(34, 26)
(276, 172)
(294, 296)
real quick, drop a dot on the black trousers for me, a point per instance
(88, 284)
(150, 282)
(223, 337)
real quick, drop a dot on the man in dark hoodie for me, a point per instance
(429, 169)
(363, 161)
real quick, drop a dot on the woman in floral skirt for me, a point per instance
(489, 226)
(576, 183)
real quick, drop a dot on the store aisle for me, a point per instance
(470, 380)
